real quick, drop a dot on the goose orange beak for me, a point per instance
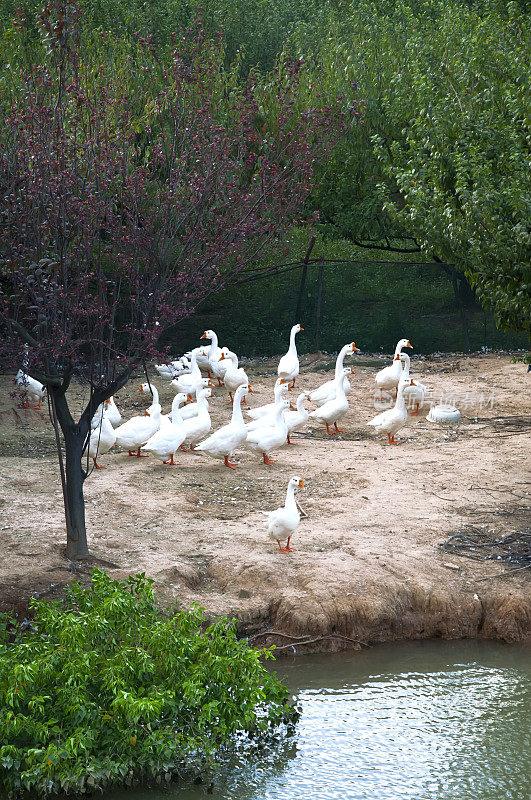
(140, 389)
(222, 357)
(203, 336)
(397, 357)
(146, 412)
(300, 326)
(301, 484)
(108, 402)
(409, 344)
(251, 390)
(354, 348)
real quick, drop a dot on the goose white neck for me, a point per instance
(400, 403)
(340, 389)
(341, 358)
(155, 393)
(399, 348)
(300, 403)
(279, 390)
(175, 406)
(237, 416)
(290, 496)
(213, 344)
(292, 345)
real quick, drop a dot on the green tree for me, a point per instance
(104, 689)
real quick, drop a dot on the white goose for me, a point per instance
(288, 366)
(393, 419)
(102, 438)
(414, 391)
(167, 419)
(166, 441)
(111, 412)
(213, 353)
(388, 377)
(34, 389)
(225, 440)
(272, 434)
(174, 368)
(137, 430)
(283, 521)
(332, 411)
(198, 426)
(191, 409)
(326, 391)
(189, 382)
(294, 419)
(281, 387)
(269, 418)
(234, 376)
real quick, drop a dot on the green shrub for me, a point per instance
(105, 689)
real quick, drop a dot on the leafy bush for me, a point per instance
(104, 689)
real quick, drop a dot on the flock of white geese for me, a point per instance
(188, 424)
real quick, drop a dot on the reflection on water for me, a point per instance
(412, 721)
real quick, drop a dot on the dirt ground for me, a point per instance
(368, 567)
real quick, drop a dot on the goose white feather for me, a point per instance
(283, 522)
(270, 435)
(288, 366)
(388, 377)
(223, 442)
(34, 389)
(333, 410)
(327, 390)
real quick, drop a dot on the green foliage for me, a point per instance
(461, 161)
(105, 689)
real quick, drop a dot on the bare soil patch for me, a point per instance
(368, 566)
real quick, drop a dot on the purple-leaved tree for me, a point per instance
(124, 203)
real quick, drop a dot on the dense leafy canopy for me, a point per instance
(105, 689)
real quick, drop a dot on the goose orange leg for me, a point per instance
(267, 460)
(39, 408)
(230, 464)
(392, 439)
(97, 465)
(289, 440)
(138, 454)
(338, 430)
(171, 462)
(329, 432)
(287, 548)
(416, 411)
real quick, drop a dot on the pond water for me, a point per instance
(413, 721)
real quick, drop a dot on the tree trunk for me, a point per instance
(76, 531)
(72, 474)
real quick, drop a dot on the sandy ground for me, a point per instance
(367, 567)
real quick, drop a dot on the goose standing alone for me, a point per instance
(283, 521)
(393, 419)
(332, 411)
(388, 377)
(223, 442)
(288, 366)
